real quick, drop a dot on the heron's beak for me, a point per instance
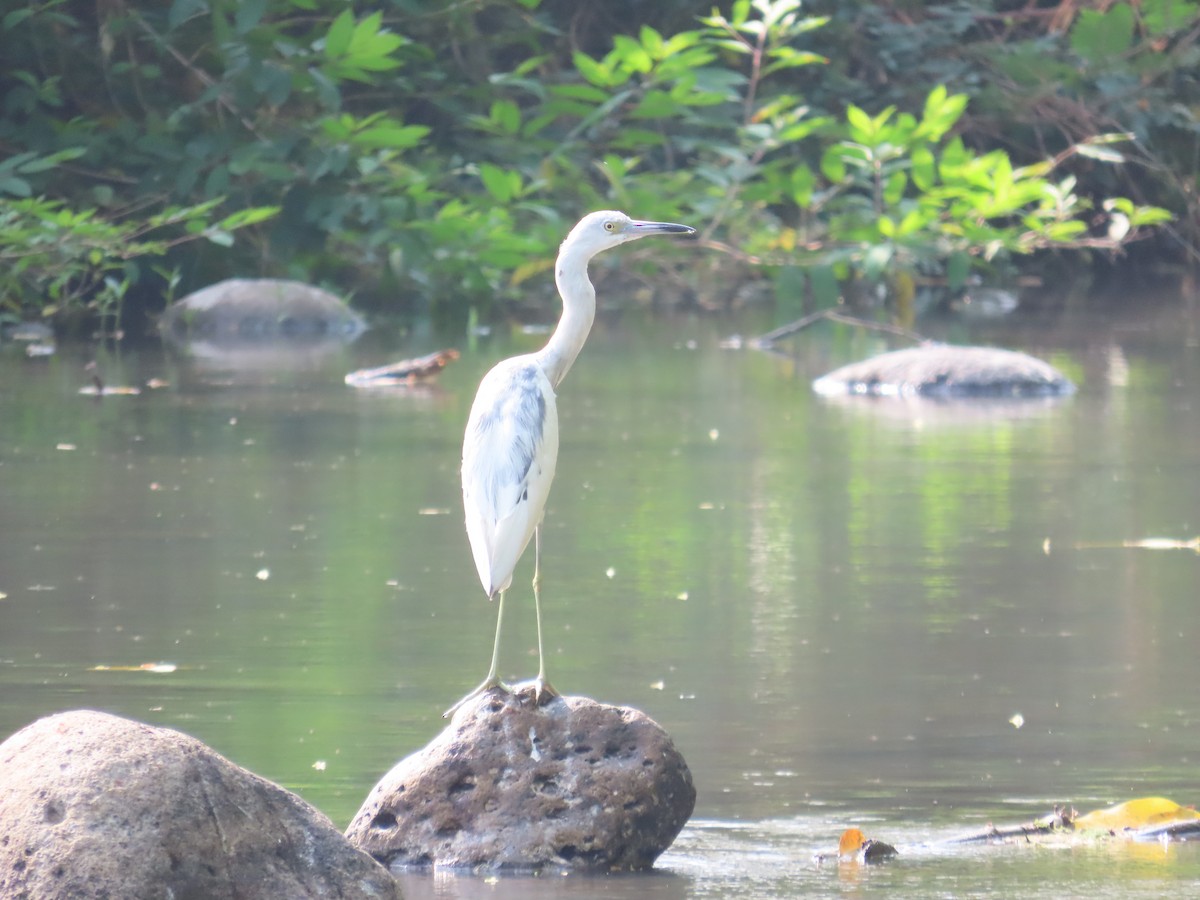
(643, 229)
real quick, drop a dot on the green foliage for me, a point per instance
(1044, 79)
(439, 151)
(71, 257)
(902, 195)
(1100, 35)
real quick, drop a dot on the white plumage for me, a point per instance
(511, 444)
(509, 453)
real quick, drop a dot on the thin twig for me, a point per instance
(765, 341)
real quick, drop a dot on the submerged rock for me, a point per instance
(261, 310)
(943, 370)
(96, 806)
(573, 784)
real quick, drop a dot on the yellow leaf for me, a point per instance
(525, 271)
(1138, 813)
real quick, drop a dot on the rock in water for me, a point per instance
(96, 806)
(943, 370)
(261, 310)
(573, 784)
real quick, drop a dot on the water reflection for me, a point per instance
(834, 613)
(932, 412)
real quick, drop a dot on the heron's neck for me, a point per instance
(579, 310)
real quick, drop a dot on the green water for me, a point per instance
(834, 608)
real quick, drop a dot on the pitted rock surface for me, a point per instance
(573, 784)
(96, 806)
(944, 370)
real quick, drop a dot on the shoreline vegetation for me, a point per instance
(425, 159)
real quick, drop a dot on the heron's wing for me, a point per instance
(509, 454)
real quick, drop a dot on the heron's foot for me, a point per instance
(483, 688)
(544, 692)
(539, 689)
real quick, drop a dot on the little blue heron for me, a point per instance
(511, 445)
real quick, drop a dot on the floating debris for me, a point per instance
(854, 847)
(115, 390)
(40, 350)
(99, 389)
(1153, 543)
(405, 373)
(158, 668)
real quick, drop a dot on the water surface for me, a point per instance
(836, 609)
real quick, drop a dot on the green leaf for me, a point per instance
(337, 39)
(592, 70)
(630, 54)
(798, 131)
(41, 164)
(248, 14)
(506, 115)
(390, 136)
(1098, 36)
(17, 187)
(924, 169)
(502, 184)
(651, 41)
(860, 123)
(16, 17)
(1149, 215)
(1164, 17)
(790, 58)
(803, 183)
(893, 189)
(833, 166)
(585, 92)
(913, 222)
(183, 10)
(244, 217)
(1065, 232)
(941, 113)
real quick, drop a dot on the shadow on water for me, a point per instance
(836, 609)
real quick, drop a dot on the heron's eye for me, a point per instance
(610, 226)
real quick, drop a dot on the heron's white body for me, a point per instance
(510, 449)
(509, 455)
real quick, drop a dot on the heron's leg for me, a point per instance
(542, 689)
(492, 680)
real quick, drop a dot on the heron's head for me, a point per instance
(607, 228)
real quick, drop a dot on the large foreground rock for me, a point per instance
(573, 784)
(96, 806)
(943, 370)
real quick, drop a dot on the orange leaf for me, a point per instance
(851, 842)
